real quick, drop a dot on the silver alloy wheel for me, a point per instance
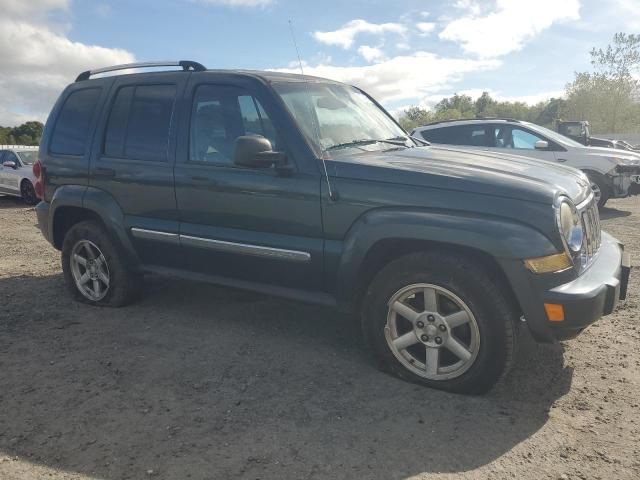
(597, 193)
(432, 332)
(90, 270)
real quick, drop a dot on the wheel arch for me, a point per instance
(72, 204)
(382, 236)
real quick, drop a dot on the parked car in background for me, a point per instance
(579, 130)
(611, 172)
(16, 176)
(307, 188)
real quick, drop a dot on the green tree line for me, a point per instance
(28, 133)
(608, 96)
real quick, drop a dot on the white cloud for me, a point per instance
(509, 26)
(38, 62)
(345, 36)
(21, 8)
(403, 77)
(236, 3)
(370, 54)
(425, 27)
(628, 11)
(470, 6)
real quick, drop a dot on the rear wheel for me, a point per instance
(28, 192)
(440, 321)
(93, 268)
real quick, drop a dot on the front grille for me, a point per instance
(591, 227)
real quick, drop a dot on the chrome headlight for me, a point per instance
(569, 224)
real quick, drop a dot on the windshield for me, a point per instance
(28, 158)
(337, 117)
(555, 136)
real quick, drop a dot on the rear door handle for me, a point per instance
(104, 173)
(562, 159)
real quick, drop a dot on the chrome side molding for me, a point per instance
(156, 235)
(222, 245)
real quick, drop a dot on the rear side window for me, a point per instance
(139, 123)
(71, 131)
(471, 135)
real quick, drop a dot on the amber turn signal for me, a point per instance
(555, 312)
(551, 263)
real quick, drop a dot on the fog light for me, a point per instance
(555, 312)
(548, 264)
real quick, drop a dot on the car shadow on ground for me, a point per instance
(196, 381)
(7, 201)
(607, 213)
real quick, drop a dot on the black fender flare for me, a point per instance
(500, 238)
(101, 204)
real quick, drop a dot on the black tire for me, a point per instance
(598, 180)
(124, 285)
(28, 193)
(484, 295)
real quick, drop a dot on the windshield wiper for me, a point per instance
(368, 141)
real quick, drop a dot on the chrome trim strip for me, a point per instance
(245, 249)
(155, 235)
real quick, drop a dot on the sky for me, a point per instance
(403, 52)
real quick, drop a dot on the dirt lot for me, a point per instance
(198, 382)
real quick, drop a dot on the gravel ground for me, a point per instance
(199, 382)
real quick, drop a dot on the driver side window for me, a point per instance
(507, 136)
(221, 114)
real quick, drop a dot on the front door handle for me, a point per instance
(562, 160)
(104, 173)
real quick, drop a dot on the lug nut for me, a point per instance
(442, 328)
(424, 338)
(420, 324)
(438, 340)
(431, 318)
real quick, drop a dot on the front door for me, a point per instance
(9, 178)
(249, 224)
(509, 138)
(133, 161)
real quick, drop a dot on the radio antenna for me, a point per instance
(312, 115)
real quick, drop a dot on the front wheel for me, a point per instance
(28, 192)
(441, 321)
(600, 188)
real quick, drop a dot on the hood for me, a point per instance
(505, 175)
(613, 153)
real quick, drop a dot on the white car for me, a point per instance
(16, 177)
(612, 173)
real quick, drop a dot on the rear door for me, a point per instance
(251, 224)
(133, 160)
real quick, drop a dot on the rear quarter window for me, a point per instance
(71, 130)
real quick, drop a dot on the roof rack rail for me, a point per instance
(187, 65)
(506, 119)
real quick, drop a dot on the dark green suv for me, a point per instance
(307, 188)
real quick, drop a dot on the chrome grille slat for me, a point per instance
(590, 218)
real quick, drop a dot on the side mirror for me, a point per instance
(10, 164)
(541, 145)
(255, 151)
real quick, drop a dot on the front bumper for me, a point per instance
(593, 294)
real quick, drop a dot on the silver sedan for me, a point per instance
(16, 177)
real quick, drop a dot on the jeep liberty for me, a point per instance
(307, 188)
